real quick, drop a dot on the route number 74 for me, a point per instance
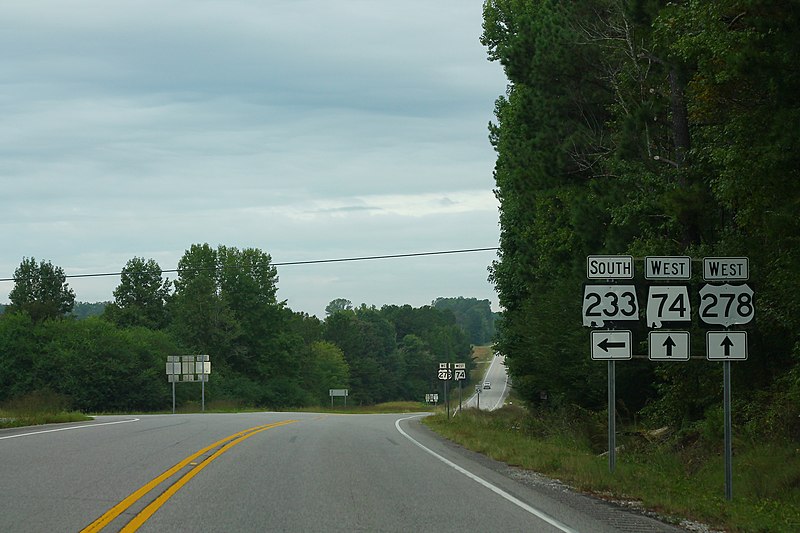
(668, 303)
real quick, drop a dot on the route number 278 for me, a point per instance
(726, 304)
(609, 302)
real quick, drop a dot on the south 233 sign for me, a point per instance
(602, 303)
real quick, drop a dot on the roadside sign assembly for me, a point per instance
(725, 301)
(338, 393)
(183, 368)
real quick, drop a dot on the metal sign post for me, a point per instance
(460, 376)
(610, 303)
(341, 393)
(726, 371)
(726, 305)
(612, 418)
(446, 374)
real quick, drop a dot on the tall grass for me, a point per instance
(680, 475)
(38, 407)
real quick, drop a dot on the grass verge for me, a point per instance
(41, 407)
(678, 477)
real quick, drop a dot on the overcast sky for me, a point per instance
(310, 129)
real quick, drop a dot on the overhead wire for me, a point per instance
(307, 262)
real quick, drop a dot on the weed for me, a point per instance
(678, 474)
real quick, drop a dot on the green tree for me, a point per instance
(327, 370)
(473, 315)
(40, 289)
(338, 304)
(141, 297)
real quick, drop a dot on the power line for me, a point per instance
(309, 262)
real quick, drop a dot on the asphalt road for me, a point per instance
(275, 472)
(493, 398)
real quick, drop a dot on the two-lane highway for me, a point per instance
(271, 472)
(495, 396)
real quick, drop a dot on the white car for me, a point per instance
(487, 385)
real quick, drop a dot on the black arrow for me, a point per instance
(605, 344)
(726, 344)
(670, 344)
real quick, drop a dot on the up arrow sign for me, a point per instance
(726, 345)
(669, 344)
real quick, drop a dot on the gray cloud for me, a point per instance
(305, 128)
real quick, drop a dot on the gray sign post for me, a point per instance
(726, 305)
(610, 303)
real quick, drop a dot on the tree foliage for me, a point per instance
(40, 289)
(141, 297)
(646, 128)
(474, 316)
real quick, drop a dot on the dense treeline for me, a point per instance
(473, 315)
(223, 303)
(647, 128)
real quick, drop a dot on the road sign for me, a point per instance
(338, 392)
(445, 373)
(431, 398)
(611, 344)
(668, 304)
(726, 345)
(726, 305)
(602, 303)
(609, 267)
(726, 268)
(666, 267)
(460, 375)
(668, 345)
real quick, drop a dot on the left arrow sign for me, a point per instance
(611, 344)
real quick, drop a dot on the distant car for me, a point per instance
(487, 385)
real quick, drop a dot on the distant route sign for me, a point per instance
(460, 370)
(609, 267)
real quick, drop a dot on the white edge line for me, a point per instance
(505, 386)
(68, 428)
(497, 490)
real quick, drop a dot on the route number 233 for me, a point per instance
(609, 302)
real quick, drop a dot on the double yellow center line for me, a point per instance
(221, 446)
